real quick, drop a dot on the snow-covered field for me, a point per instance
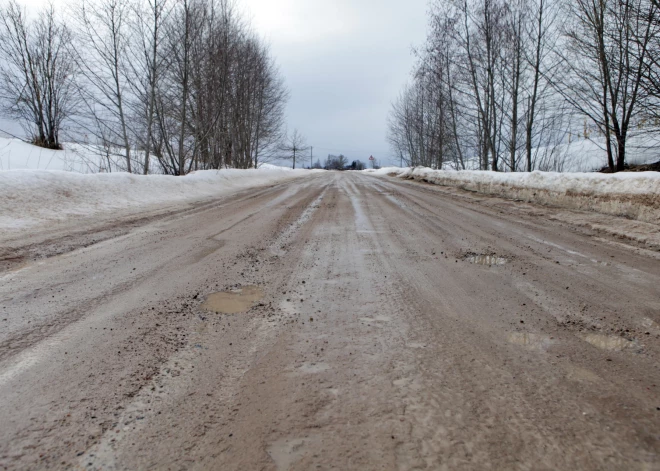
(18, 155)
(633, 195)
(75, 157)
(588, 155)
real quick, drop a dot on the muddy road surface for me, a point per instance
(339, 321)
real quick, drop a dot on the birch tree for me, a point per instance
(102, 30)
(609, 42)
(148, 23)
(37, 77)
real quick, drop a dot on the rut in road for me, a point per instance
(386, 338)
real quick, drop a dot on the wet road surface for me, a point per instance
(340, 321)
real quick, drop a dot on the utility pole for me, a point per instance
(311, 158)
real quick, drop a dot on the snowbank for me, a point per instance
(632, 195)
(33, 197)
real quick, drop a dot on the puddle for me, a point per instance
(234, 301)
(486, 260)
(536, 341)
(609, 342)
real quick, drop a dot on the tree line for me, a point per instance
(499, 84)
(170, 86)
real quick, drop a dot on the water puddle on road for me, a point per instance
(609, 342)
(486, 260)
(234, 301)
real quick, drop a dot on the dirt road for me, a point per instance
(391, 325)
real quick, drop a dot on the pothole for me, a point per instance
(610, 342)
(485, 259)
(233, 301)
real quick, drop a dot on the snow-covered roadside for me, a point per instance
(18, 155)
(632, 195)
(31, 198)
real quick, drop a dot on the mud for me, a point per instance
(363, 338)
(234, 301)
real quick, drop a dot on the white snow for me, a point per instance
(631, 194)
(18, 155)
(74, 157)
(39, 186)
(596, 183)
(36, 197)
(588, 155)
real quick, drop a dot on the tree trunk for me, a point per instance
(621, 154)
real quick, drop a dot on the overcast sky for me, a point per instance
(343, 61)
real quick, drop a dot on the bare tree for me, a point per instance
(400, 130)
(543, 38)
(272, 95)
(102, 30)
(184, 83)
(293, 146)
(177, 147)
(220, 99)
(608, 51)
(147, 62)
(483, 33)
(336, 162)
(37, 78)
(480, 95)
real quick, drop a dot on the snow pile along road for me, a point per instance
(634, 195)
(30, 198)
